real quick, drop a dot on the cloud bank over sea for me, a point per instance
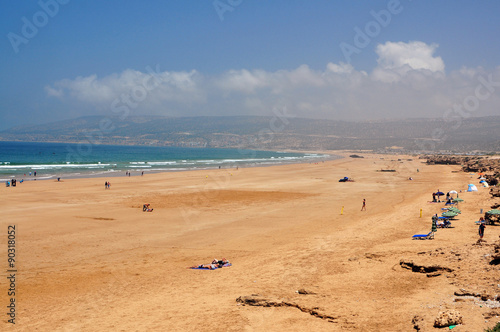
(408, 81)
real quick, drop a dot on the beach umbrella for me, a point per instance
(494, 212)
(440, 193)
(453, 192)
(449, 214)
(454, 209)
(457, 200)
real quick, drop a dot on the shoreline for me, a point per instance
(323, 156)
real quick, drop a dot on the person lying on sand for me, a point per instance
(216, 263)
(445, 224)
(220, 263)
(205, 266)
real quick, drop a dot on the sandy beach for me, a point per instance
(89, 259)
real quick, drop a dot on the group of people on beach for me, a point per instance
(127, 173)
(446, 223)
(12, 182)
(107, 184)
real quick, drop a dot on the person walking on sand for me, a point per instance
(482, 226)
(363, 208)
(106, 185)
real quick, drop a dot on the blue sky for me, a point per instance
(242, 57)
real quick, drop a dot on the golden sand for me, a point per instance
(90, 259)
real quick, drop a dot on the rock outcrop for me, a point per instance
(417, 322)
(421, 268)
(447, 318)
(496, 254)
(495, 192)
(476, 164)
(443, 160)
(257, 300)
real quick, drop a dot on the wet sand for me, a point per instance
(90, 259)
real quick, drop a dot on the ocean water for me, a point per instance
(52, 160)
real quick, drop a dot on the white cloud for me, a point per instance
(54, 92)
(342, 68)
(397, 59)
(243, 80)
(173, 86)
(409, 81)
(415, 54)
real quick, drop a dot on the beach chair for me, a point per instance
(429, 236)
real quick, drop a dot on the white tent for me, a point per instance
(472, 187)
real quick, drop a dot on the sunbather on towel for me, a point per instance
(446, 223)
(216, 263)
(220, 263)
(205, 266)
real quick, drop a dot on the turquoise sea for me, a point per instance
(52, 160)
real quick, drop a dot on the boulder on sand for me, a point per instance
(447, 318)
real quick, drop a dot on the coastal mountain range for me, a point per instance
(275, 132)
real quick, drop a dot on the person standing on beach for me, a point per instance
(482, 226)
(106, 185)
(364, 205)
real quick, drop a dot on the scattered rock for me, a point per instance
(433, 274)
(480, 242)
(257, 300)
(496, 254)
(447, 318)
(458, 299)
(443, 160)
(463, 292)
(410, 265)
(417, 322)
(373, 256)
(491, 314)
(304, 292)
(484, 296)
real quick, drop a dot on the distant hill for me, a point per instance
(258, 132)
